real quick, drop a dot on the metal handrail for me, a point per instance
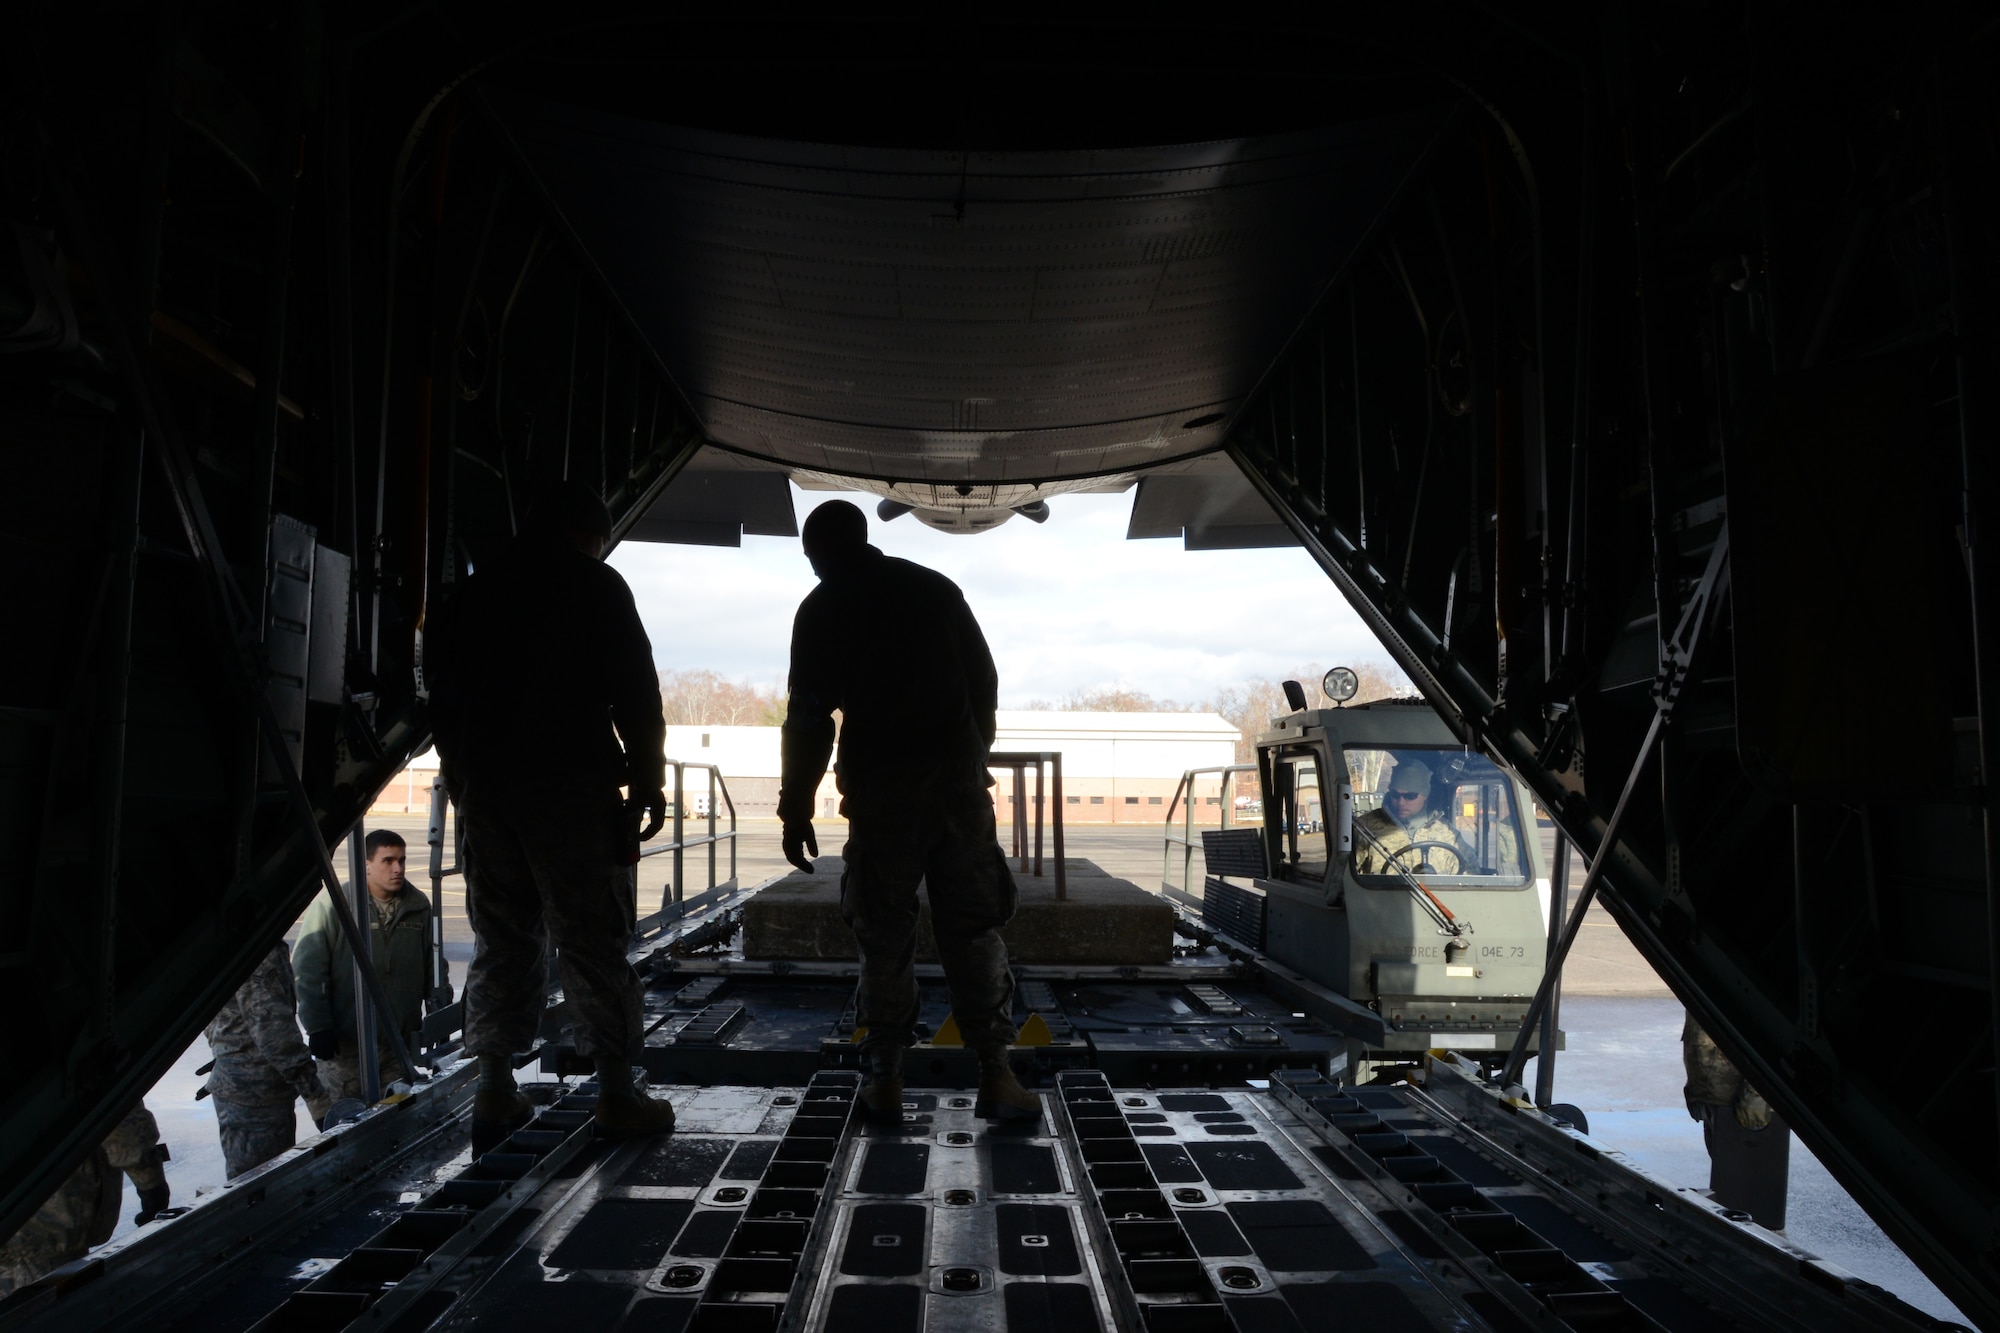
(674, 891)
(442, 1022)
(441, 805)
(1019, 762)
(1186, 840)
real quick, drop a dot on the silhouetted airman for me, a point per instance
(539, 670)
(896, 650)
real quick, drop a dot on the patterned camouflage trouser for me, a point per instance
(944, 839)
(341, 1075)
(542, 866)
(254, 1132)
(61, 1229)
(21, 1263)
(254, 1110)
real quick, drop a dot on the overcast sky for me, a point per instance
(1067, 605)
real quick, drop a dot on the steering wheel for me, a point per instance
(1457, 853)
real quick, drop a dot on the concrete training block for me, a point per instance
(1104, 920)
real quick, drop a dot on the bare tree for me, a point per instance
(1382, 680)
(1252, 706)
(700, 697)
(1115, 699)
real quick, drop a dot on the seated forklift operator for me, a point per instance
(1408, 833)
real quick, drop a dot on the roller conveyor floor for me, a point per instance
(1293, 1208)
(1202, 1164)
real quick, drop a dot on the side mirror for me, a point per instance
(1295, 696)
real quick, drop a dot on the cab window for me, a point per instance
(1441, 815)
(1296, 817)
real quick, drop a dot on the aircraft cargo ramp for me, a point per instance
(1159, 1193)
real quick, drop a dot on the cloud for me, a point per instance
(1066, 605)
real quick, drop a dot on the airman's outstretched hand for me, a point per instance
(800, 844)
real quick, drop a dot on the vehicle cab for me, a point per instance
(1405, 872)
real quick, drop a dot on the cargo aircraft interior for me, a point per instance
(1632, 369)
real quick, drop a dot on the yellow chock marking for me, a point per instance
(947, 1033)
(1034, 1032)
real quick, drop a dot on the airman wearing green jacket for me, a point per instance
(400, 949)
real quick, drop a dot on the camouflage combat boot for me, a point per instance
(623, 1111)
(882, 1083)
(1001, 1096)
(499, 1107)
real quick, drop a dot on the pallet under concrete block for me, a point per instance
(1103, 920)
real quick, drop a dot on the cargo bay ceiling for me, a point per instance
(942, 317)
(1630, 370)
(977, 313)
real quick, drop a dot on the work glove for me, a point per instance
(441, 998)
(324, 1045)
(654, 805)
(800, 844)
(1752, 1111)
(316, 1108)
(342, 1111)
(153, 1200)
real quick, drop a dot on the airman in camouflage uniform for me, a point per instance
(84, 1209)
(539, 665)
(894, 648)
(1406, 819)
(1749, 1144)
(262, 1067)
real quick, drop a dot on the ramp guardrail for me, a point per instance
(1185, 839)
